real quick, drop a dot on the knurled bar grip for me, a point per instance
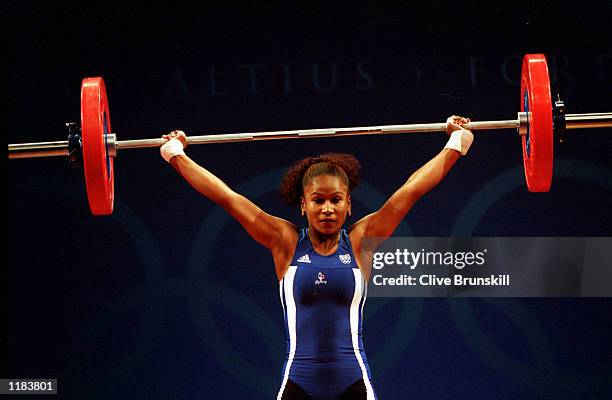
(317, 133)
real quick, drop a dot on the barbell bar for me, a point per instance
(536, 123)
(61, 148)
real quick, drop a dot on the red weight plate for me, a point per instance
(98, 165)
(538, 143)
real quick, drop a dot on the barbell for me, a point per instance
(95, 146)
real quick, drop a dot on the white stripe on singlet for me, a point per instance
(286, 287)
(356, 312)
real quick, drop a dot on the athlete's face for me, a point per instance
(326, 204)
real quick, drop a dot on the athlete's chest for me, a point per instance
(317, 283)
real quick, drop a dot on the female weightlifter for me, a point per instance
(323, 269)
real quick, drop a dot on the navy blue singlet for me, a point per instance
(323, 298)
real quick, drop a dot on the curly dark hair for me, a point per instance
(344, 166)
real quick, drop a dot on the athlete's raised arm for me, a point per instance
(275, 233)
(383, 222)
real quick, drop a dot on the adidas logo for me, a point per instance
(304, 259)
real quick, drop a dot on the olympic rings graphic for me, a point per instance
(545, 375)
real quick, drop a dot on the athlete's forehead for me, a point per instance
(325, 184)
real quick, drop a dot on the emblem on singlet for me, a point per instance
(304, 259)
(345, 258)
(321, 279)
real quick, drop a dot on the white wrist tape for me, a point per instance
(460, 140)
(171, 148)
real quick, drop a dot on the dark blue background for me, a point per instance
(169, 297)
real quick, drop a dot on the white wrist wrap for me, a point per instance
(171, 148)
(460, 140)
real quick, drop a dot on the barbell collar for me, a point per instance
(523, 123)
(111, 145)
